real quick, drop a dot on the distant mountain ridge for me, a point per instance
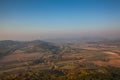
(8, 46)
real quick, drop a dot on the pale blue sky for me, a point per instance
(44, 19)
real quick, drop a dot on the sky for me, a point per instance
(47, 19)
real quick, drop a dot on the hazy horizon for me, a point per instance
(51, 19)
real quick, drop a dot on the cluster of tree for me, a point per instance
(75, 74)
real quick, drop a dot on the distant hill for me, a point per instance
(77, 39)
(8, 47)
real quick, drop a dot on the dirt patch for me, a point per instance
(112, 55)
(114, 63)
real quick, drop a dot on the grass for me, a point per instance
(68, 67)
